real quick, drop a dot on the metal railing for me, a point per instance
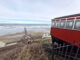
(66, 52)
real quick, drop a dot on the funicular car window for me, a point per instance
(62, 24)
(57, 23)
(69, 24)
(77, 24)
(53, 24)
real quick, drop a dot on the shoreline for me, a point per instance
(11, 37)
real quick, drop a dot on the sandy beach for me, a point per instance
(11, 37)
(17, 36)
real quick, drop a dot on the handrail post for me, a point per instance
(77, 52)
(53, 40)
(52, 51)
(66, 52)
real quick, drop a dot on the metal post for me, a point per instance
(71, 52)
(59, 49)
(52, 51)
(63, 50)
(66, 52)
(77, 52)
(53, 40)
(71, 49)
(25, 30)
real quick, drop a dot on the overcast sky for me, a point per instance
(36, 11)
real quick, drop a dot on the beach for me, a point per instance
(15, 33)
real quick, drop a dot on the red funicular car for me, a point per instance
(66, 29)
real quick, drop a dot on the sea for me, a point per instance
(6, 29)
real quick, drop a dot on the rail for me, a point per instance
(66, 52)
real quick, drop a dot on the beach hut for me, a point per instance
(2, 44)
(46, 35)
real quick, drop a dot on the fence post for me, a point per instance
(71, 49)
(77, 52)
(63, 49)
(53, 40)
(59, 49)
(66, 52)
(25, 31)
(71, 52)
(52, 51)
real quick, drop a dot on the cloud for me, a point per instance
(38, 9)
(22, 9)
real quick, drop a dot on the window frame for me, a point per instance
(58, 24)
(52, 24)
(67, 24)
(63, 22)
(75, 24)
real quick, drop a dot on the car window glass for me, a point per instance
(62, 24)
(53, 24)
(77, 24)
(57, 23)
(69, 24)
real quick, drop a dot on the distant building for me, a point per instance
(2, 44)
(46, 35)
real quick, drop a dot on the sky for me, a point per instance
(36, 11)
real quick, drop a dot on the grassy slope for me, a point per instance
(40, 49)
